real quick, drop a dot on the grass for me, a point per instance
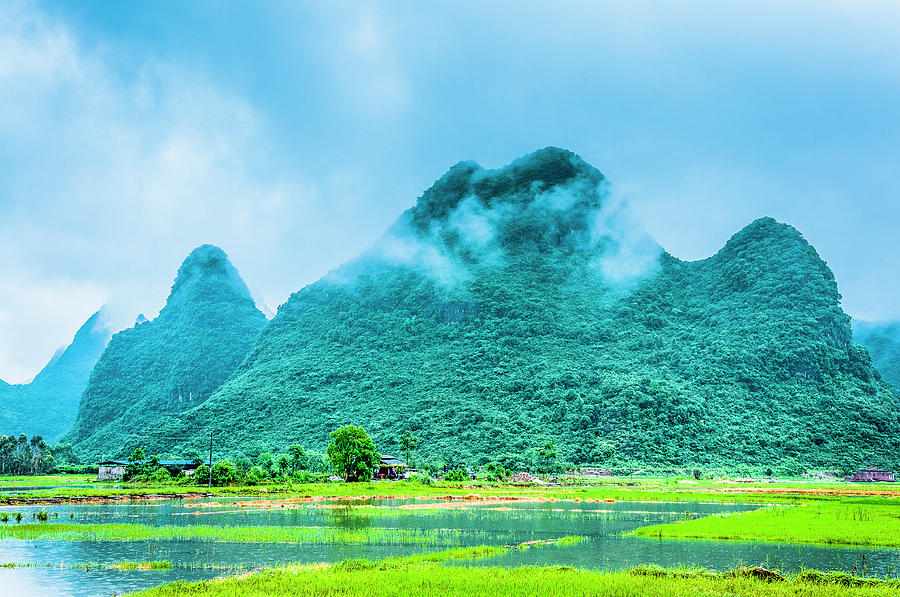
(861, 522)
(38, 480)
(234, 534)
(635, 489)
(402, 576)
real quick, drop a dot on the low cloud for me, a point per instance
(629, 254)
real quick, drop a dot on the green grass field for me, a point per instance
(235, 534)
(37, 480)
(870, 522)
(637, 489)
(407, 577)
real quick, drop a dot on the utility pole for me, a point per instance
(210, 458)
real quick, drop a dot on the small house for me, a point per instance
(872, 475)
(114, 470)
(391, 468)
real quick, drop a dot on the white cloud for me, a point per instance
(59, 302)
(111, 177)
(368, 65)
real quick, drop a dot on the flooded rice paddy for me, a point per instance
(379, 528)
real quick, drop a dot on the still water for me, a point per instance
(498, 524)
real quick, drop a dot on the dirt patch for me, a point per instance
(468, 503)
(101, 499)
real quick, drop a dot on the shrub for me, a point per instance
(159, 475)
(308, 477)
(457, 475)
(201, 475)
(224, 473)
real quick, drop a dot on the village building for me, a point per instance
(114, 470)
(391, 468)
(872, 475)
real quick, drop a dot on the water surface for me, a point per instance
(603, 524)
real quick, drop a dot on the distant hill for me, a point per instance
(883, 342)
(519, 305)
(47, 406)
(172, 363)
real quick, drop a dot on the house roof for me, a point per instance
(388, 460)
(184, 463)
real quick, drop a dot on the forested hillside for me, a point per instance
(172, 363)
(883, 342)
(519, 305)
(47, 406)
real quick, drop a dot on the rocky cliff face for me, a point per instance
(173, 363)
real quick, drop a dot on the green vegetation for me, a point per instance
(882, 340)
(352, 453)
(19, 456)
(671, 489)
(38, 480)
(232, 534)
(457, 475)
(408, 577)
(513, 307)
(47, 406)
(171, 364)
(864, 522)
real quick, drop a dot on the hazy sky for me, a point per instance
(292, 134)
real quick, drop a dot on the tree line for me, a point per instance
(350, 455)
(23, 456)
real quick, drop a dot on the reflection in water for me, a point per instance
(604, 525)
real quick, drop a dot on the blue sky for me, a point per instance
(292, 134)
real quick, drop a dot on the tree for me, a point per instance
(497, 472)
(352, 453)
(547, 458)
(224, 473)
(266, 463)
(284, 464)
(135, 465)
(298, 457)
(38, 453)
(408, 443)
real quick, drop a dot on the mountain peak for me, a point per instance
(764, 234)
(518, 183)
(208, 263)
